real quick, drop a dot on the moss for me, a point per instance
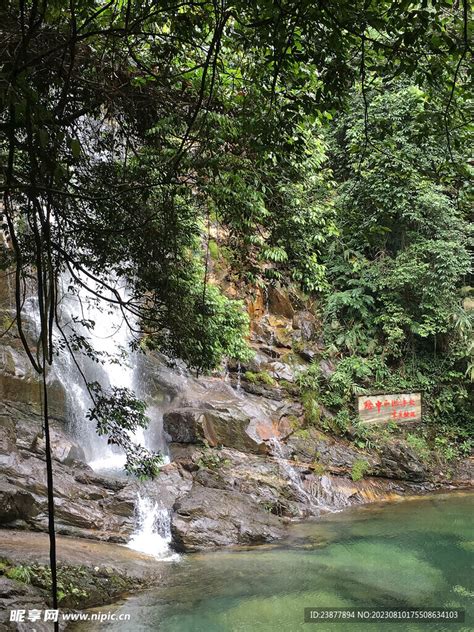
(294, 422)
(360, 468)
(312, 410)
(290, 387)
(260, 377)
(318, 468)
(303, 433)
(78, 586)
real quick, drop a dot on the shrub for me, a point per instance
(360, 468)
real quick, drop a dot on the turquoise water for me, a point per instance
(413, 554)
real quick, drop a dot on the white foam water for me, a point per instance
(290, 471)
(318, 498)
(110, 338)
(153, 532)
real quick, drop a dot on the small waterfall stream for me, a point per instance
(291, 473)
(153, 530)
(109, 338)
(317, 500)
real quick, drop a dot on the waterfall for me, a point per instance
(331, 495)
(225, 369)
(290, 471)
(153, 531)
(109, 337)
(319, 499)
(239, 377)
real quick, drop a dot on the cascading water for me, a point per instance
(290, 471)
(225, 369)
(330, 495)
(316, 502)
(239, 377)
(153, 531)
(109, 338)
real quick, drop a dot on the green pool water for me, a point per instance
(413, 554)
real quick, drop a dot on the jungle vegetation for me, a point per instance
(330, 140)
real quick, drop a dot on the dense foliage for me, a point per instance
(128, 128)
(396, 314)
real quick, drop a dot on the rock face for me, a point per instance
(398, 460)
(209, 518)
(225, 426)
(212, 412)
(87, 504)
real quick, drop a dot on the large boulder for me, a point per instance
(216, 427)
(305, 322)
(20, 384)
(260, 478)
(279, 302)
(337, 492)
(209, 518)
(314, 447)
(218, 415)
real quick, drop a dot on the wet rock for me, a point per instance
(272, 352)
(463, 471)
(223, 426)
(262, 390)
(327, 368)
(279, 331)
(80, 495)
(184, 425)
(172, 483)
(253, 475)
(339, 492)
(210, 478)
(89, 477)
(307, 354)
(63, 449)
(398, 460)
(313, 446)
(15, 595)
(305, 322)
(256, 305)
(209, 518)
(16, 503)
(225, 419)
(279, 303)
(19, 382)
(281, 371)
